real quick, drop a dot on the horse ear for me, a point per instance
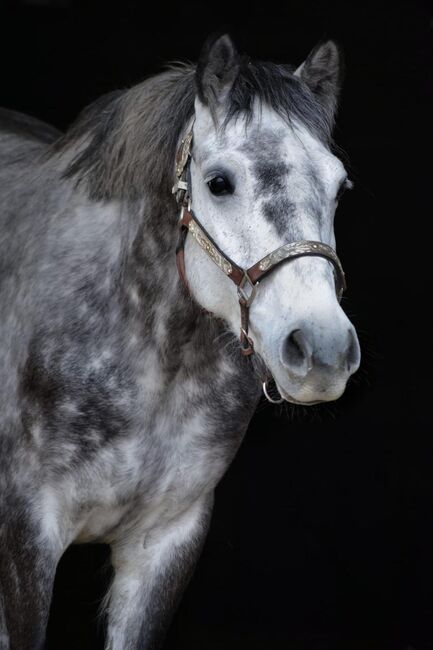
(322, 72)
(217, 69)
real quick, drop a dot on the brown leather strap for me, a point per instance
(180, 258)
(180, 186)
(261, 268)
(189, 224)
(247, 343)
(295, 250)
(197, 230)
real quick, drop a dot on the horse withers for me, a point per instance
(126, 384)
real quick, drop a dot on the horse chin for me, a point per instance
(292, 400)
(328, 396)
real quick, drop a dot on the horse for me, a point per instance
(127, 380)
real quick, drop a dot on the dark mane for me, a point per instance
(126, 141)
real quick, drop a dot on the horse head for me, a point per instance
(262, 179)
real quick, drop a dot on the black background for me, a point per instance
(322, 535)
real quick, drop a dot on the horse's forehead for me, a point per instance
(292, 150)
(291, 145)
(269, 141)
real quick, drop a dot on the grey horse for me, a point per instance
(125, 389)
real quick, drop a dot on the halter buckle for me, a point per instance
(179, 185)
(186, 205)
(247, 343)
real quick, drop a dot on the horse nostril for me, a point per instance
(297, 352)
(353, 353)
(295, 347)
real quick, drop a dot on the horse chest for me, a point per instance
(148, 478)
(153, 449)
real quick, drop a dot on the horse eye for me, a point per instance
(345, 185)
(220, 185)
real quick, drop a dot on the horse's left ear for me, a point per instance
(322, 72)
(217, 68)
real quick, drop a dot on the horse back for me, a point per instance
(25, 127)
(24, 140)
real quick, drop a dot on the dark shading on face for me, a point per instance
(280, 211)
(271, 177)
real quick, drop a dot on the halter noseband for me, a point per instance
(246, 280)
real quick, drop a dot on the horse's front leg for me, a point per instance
(27, 567)
(151, 572)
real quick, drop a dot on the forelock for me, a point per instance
(274, 85)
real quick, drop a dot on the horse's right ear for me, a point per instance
(217, 69)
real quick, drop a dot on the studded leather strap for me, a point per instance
(190, 223)
(294, 250)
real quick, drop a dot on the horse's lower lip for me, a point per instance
(292, 400)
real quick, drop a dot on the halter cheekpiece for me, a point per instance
(246, 280)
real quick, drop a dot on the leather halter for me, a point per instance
(246, 280)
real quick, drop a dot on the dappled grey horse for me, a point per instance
(127, 384)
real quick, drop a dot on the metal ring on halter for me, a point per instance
(268, 397)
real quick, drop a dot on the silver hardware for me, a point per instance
(178, 186)
(301, 248)
(247, 298)
(268, 397)
(209, 248)
(185, 152)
